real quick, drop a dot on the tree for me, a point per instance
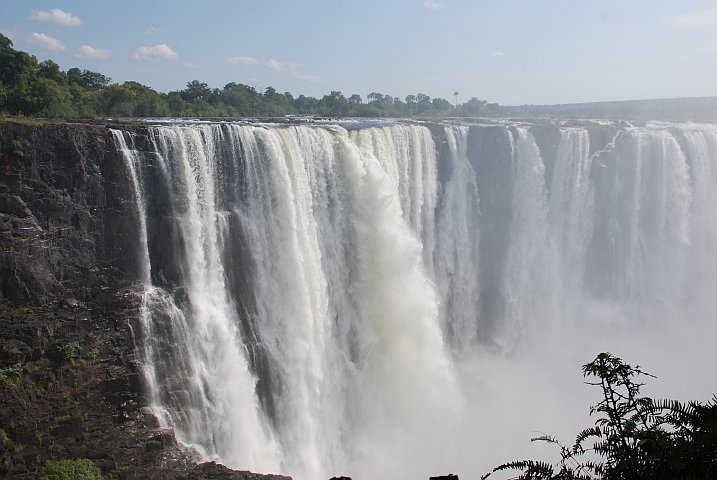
(3, 93)
(355, 99)
(442, 105)
(475, 107)
(50, 70)
(334, 105)
(48, 98)
(306, 104)
(455, 94)
(87, 79)
(15, 66)
(196, 89)
(637, 437)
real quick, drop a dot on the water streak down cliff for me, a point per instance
(308, 289)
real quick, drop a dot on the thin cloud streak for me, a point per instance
(56, 16)
(281, 67)
(433, 5)
(153, 30)
(90, 52)
(496, 55)
(293, 69)
(695, 20)
(242, 60)
(45, 42)
(310, 78)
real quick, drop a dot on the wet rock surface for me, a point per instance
(70, 385)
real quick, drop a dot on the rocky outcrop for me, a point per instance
(70, 386)
(64, 227)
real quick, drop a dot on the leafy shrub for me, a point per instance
(17, 148)
(92, 355)
(11, 371)
(637, 437)
(4, 439)
(68, 351)
(79, 469)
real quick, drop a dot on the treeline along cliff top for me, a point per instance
(43, 89)
(32, 88)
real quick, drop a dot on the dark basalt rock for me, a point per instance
(215, 471)
(68, 274)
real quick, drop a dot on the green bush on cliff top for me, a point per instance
(79, 469)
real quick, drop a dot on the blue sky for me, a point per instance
(507, 51)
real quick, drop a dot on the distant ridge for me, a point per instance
(694, 109)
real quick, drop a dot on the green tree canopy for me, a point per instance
(31, 88)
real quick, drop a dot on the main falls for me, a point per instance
(354, 299)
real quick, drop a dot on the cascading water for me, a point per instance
(318, 300)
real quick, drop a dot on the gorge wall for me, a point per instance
(299, 298)
(67, 242)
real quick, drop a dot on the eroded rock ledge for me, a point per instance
(68, 308)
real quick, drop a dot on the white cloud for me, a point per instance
(242, 60)
(153, 30)
(310, 78)
(496, 55)
(433, 5)
(40, 40)
(190, 65)
(158, 52)
(57, 17)
(90, 52)
(701, 19)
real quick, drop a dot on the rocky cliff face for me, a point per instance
(70, 386)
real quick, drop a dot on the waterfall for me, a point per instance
(317, 296)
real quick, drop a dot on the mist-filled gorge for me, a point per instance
(418, 239)
(400, 299)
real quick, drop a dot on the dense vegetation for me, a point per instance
(635, 437)
(32, 88)
(79, 469)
